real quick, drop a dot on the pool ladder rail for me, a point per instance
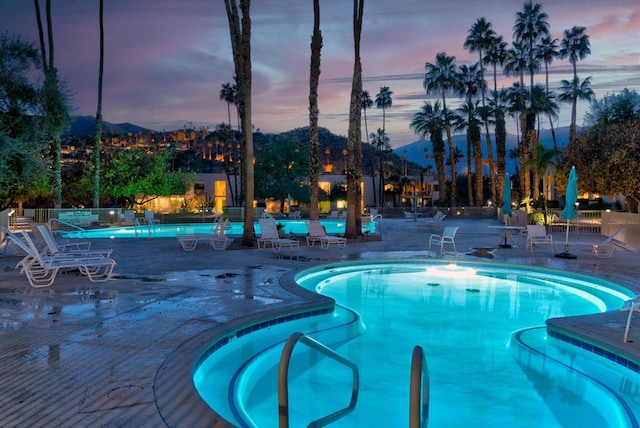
(418, 391)
(283, 382)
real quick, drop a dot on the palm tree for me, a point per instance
(498, 110)
(468, 118)
(241, 47)
(429, 121)
(228, 94)
(530, 26)
(441, 76)
(381, 142)
(367, 103)
(575, 46)
(547, 51)
(384, 101)
(98, 134)
(572, 91)
(353, 225)
(496, 55)
(314, 146)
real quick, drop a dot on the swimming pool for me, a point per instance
(481, 327)
(296, 227)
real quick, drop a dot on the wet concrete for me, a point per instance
(116, 353)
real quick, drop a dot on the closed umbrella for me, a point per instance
(569, 212)
(506, 197)
(289, 203)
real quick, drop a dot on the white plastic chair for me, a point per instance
(537, 235)
(447, 237)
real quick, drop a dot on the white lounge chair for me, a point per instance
(334, 215)
(318, 234)
(448, 237)
(537, 235)
(606, 248)
(269, 236)
(150, 219)
(129, 217)
(217, 237)
(434, 222)
(41, 270)
(53, 248)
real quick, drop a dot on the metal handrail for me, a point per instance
(283, 380)
(62, 222)
(419, 390)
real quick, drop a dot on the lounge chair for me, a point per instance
(408, 215)
(435, 222)
(537, 235)
(318, 234)
(606, 248)
(216, 237)
(448, 237)
(334, 215)
(150, 219)
(41, 270)
(129, 217)
(269, 236)
(52, 247)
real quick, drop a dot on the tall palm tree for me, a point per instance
(353, 225)
(441, 76)
(228, 94)
(468, 119)
(530, 26)
(480, 38)
(496, 55)
(314, 145)
(572, 91)
(98, 134)
(240, 32)
(547, 51)
(384, 101)
(498, 109)
(428, 120)
(380, 140)
(367, 103)
(575, 46)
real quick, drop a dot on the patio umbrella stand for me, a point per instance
(569, 212)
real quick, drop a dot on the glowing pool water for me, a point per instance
(296, 227)
(481, 328)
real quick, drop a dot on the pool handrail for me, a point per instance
(419, 390)
(283, 380)
(67, 224)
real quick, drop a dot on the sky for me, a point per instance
(166, 60)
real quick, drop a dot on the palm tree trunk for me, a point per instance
(98, 136)
(314, 146)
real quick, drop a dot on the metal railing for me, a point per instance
(419, 390)
(283, 380)
(65, 226)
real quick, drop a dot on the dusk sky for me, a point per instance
(165, 60)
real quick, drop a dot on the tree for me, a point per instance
(380, 141)
(228, 94)
(367, 103)
(498, 110)
(136, 177)
(575, 46)
(441, 76)
(468, 119)
(469, 84)
(547, 51)
(314, 147)
(571, 92)
(384, 101)
(429, 121)
(496, 55)
(281, 169)
(530, 26)
(24, 171)
(240, 31)
(353, 226)
(98, 135)
(55, 112)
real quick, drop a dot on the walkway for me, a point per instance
(85, 354)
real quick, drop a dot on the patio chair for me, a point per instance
(606, 248)
(216, 237)
(318, 234)
(129, 217)
(435, 222)
(269, 236)
(52, 247)
(537, 235)
(41, 270)
(448, 237)
(150, 219)
(334, 215)
(408, 215)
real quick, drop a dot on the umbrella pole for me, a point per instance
(566, 254)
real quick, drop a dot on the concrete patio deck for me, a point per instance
(120, 353)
